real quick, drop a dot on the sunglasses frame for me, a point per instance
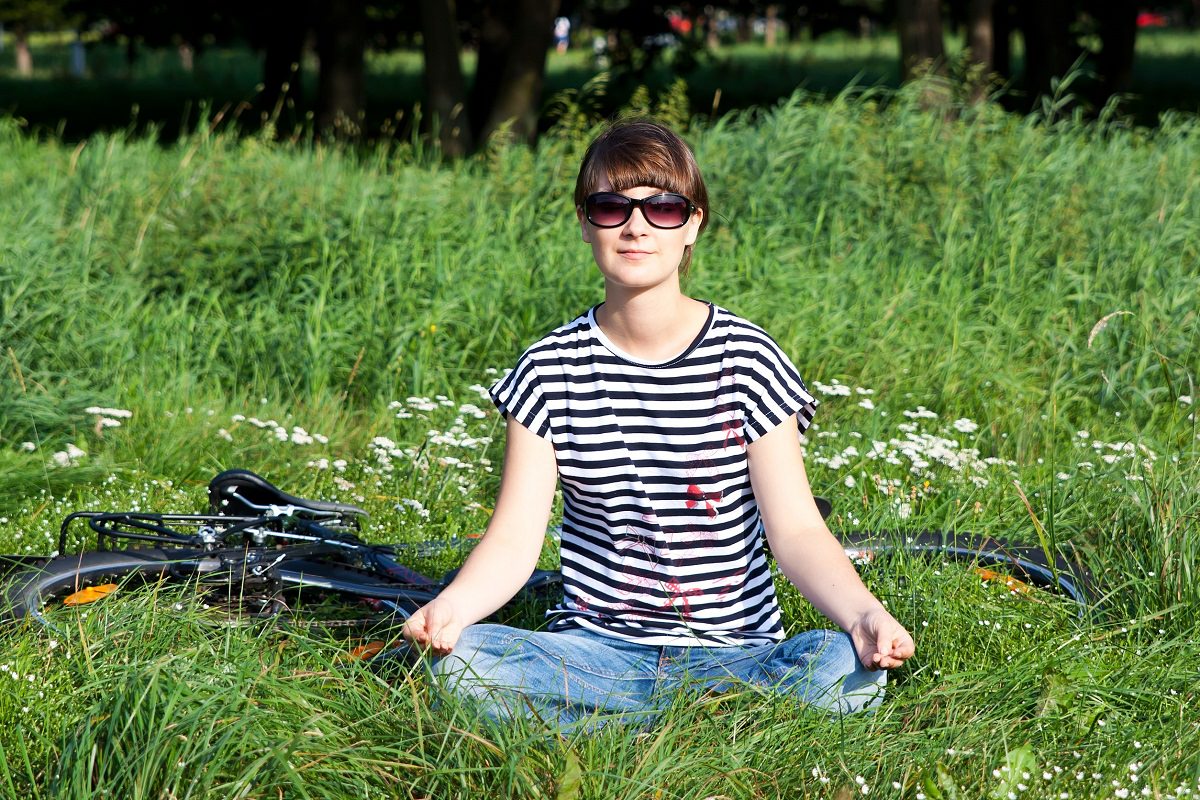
(639, 204)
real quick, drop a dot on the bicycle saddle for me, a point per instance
(242, 493)
(824, 506)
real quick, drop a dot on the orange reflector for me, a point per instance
(1009, 581)
(365, 651)
(89, 595)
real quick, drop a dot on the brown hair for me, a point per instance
(642, 152)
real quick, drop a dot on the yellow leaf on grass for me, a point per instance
(89, 595)
(1009, 581)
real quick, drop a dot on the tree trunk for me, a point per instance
(922, 47)
(513, 42)
(1002, 25)
(981, 32)
(280, 28)
(980, 47)
(445, 91)
(341, 83)
(1049, 53)
(1117, 21)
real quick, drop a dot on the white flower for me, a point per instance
(415, 505)
(68, 457)
(1186, 399)
(867, 404)
(835, 389)
(108, 412)
(28, 447)
(964, 425)
(849, 481)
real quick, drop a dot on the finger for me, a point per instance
(884, 644)
(416, 628)
(445, 637)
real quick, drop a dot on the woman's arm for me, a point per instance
(810, 556)
(499, 566)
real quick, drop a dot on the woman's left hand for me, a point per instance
(880, 641)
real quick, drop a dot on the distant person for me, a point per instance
(78, 57)
(562, 34)
(673, 428)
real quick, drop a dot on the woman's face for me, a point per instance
(636, 255)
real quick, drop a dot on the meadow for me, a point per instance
(999, 314)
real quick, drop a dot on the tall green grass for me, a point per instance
(224, 288)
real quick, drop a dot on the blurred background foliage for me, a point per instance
(462, 71)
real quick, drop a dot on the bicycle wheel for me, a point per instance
(310, 592)
(29, 592)
(1018, 566)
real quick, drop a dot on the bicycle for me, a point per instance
(262, 553)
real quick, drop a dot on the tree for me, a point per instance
(1050, 49)
(279, 28)
(341, 27)
(26, 15)
(444, 86)
(922, 45)
(981, 46)
(1116, 24)
(513, 40)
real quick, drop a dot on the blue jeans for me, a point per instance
(581, 676)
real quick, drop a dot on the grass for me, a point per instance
(288, 307)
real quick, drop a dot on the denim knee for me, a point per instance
(822, 669)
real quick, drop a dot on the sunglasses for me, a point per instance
(610, 210)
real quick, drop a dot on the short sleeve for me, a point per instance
(774, 391)
(519, 395)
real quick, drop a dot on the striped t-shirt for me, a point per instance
(661, 541)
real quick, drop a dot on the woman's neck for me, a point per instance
(649, 327)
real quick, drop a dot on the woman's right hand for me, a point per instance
(435, 626)
(507, 553)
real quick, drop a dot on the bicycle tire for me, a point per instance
(28, 591)
(295, 583)
(1027, 564)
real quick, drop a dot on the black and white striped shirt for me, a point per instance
(661, 541)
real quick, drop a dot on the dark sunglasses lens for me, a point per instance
(666, 210)
(608, 210)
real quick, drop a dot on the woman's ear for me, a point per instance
(693, 227)
(583, 224)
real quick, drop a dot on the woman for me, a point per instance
(673, 429)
